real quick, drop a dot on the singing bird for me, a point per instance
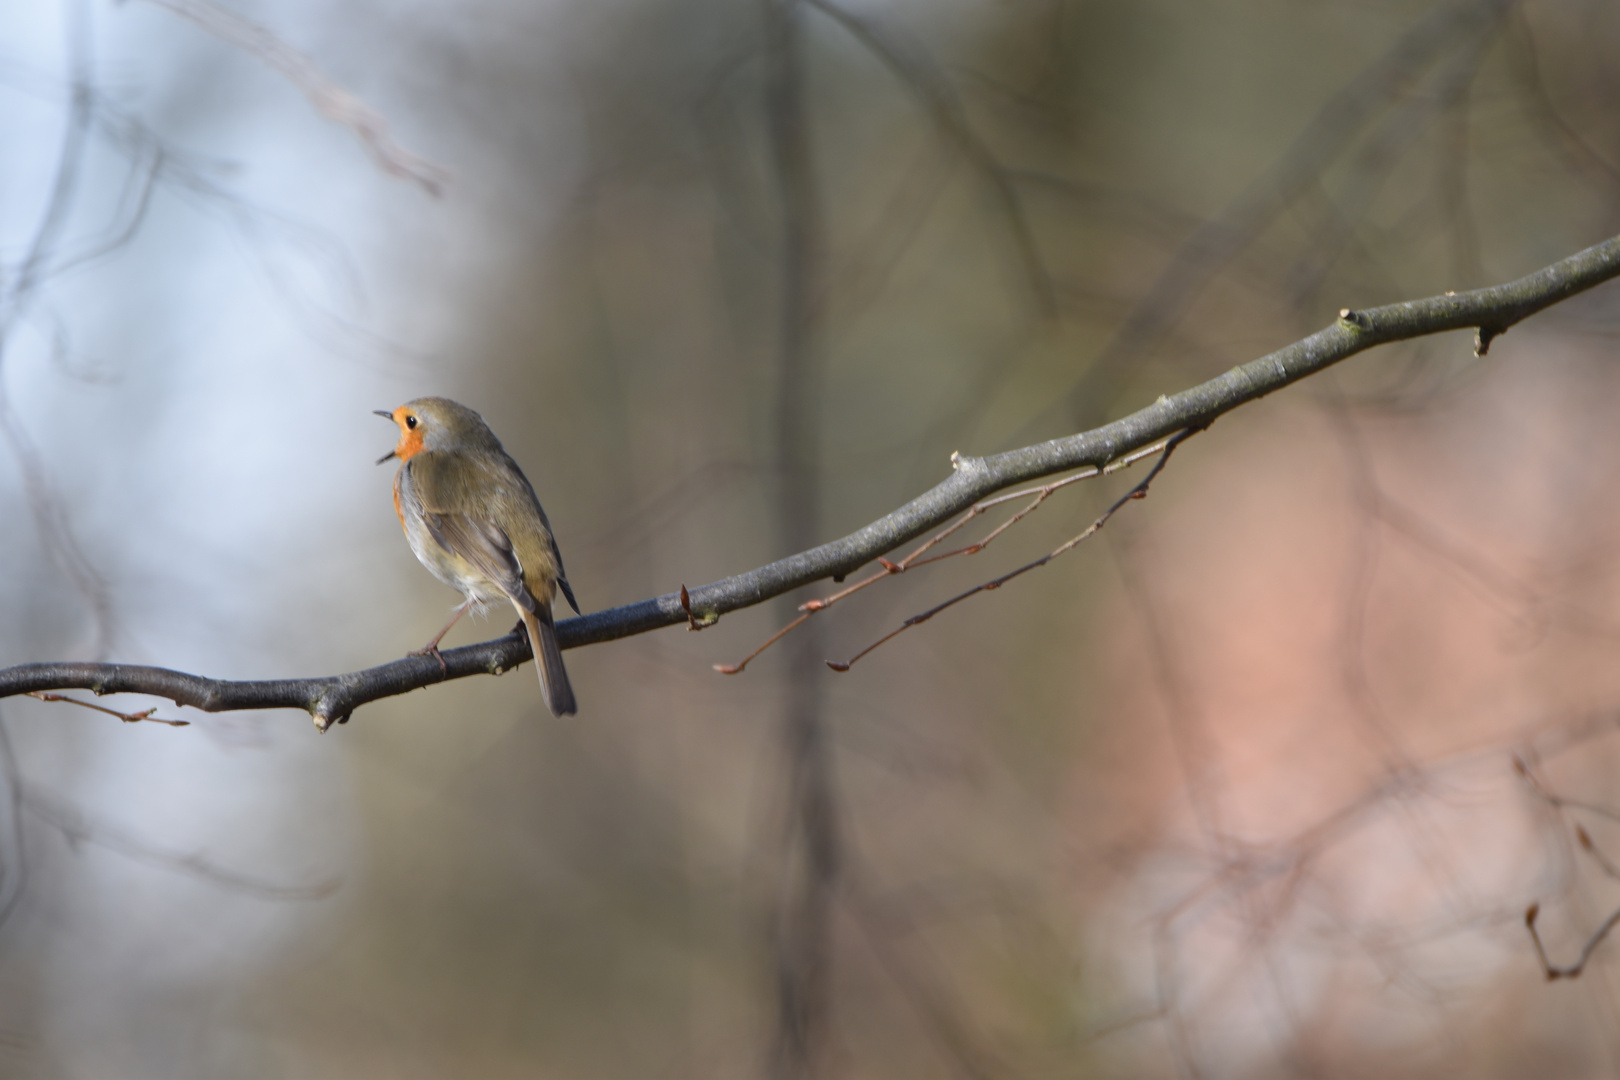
(472, 518)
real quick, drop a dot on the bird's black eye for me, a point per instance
(410, 421)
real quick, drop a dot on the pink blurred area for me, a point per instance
(1328, 662)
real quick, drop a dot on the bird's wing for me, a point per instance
(485, 546)
(551, 540)
(481, 542)
(562, 582)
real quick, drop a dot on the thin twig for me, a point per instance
(1560, 802)
(19, 292)
(77, 830)
(1605, 863)
(1555, 800)
(891, 568)
(126, 717)
(940, 99)
(1138, 492)
(1573, 971)
(736, 669)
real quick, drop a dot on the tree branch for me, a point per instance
(332, 699)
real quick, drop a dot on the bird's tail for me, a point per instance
(548, 662)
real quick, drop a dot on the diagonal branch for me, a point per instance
(332, 699)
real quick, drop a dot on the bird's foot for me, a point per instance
(432, 649)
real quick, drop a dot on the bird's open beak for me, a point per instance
(386, 415)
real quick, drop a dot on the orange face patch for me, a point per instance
(410, 437)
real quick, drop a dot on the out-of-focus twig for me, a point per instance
(78, 830)
(1572, 971)
(1568, 142)
(1406, 124)
(19, 292)
(1522, 766)
(329, 99)
(944, 106)
(1555, 800)
(14, 869)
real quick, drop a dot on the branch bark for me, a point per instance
(332, 699)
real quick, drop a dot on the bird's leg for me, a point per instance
(432, 647)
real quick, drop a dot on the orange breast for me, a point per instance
(398, 509)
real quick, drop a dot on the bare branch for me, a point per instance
(333, 698)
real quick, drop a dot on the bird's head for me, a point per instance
(434, 423)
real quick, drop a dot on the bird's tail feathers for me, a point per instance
(548, 662)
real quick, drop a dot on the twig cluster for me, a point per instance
(920, 557)
(1604, 863)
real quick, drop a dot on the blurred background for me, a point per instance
(1228, 790)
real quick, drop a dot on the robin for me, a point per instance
(472, 518)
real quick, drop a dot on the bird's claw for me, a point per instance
(433, 651)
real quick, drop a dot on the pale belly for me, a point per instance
(450, 568)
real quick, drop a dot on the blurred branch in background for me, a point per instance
(329, 99)
(77, 830)
(913, 68)
(809, 854)
(20, 285)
